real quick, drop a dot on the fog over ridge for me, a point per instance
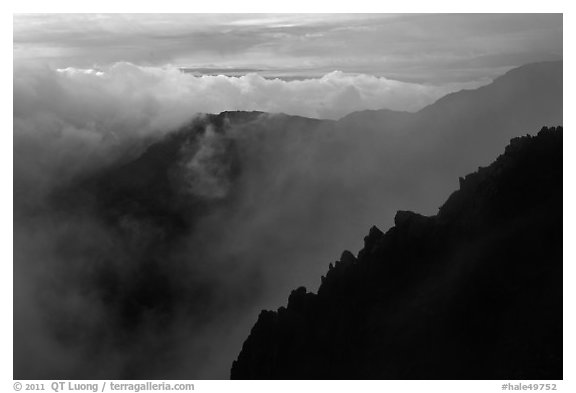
(147, 237)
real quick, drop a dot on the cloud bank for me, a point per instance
(161, 96)
(91, 117)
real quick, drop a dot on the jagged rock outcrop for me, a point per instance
(474, 292)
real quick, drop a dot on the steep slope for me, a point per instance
(474, 292)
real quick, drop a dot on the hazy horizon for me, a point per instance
(430, 48)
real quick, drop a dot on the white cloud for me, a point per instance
(85, 116)
(160, 97)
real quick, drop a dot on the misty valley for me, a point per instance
(175, 225)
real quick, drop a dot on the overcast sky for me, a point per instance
(430, 48)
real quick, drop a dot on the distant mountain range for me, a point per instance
(474, 292)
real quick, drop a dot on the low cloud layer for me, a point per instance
(163, 96)
(90, 117)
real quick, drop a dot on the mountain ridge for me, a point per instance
(513, 73)
(442, 297)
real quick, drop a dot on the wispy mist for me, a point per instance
(147, 238)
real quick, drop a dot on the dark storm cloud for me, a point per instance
(435, 48)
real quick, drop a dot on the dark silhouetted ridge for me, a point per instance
(474, 292)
